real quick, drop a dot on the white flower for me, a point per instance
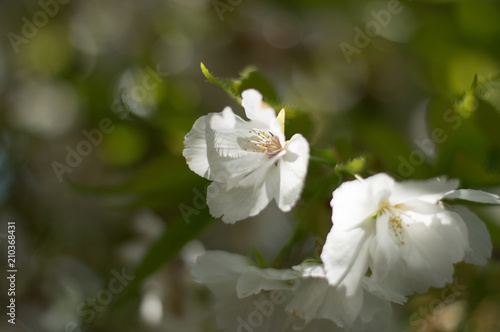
(255, 299)
(250, 163)
(403, 234)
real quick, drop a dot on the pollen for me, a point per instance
(266, 142)
(396, 223)
(396, 227)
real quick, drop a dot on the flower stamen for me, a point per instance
(267, 142)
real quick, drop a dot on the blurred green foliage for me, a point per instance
(421, 99)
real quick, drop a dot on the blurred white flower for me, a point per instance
(250, 163)
(256, 299)
(403, 234)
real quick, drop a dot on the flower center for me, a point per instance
(396, 222)
(266, 142)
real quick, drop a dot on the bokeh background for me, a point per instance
(95, 100)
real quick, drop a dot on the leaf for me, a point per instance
(488, 90)
(352, 167)
(250, 78)
(226, 85)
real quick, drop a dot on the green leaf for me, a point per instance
(226, 85)
(250, 78)
(352, 167)
(488, 90)
(468, 104)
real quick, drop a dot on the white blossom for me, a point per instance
(272, 300)
(249, 162)
(400, 237)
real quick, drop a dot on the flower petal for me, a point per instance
(255, 280)
(431, 190)
(250, 171)
(479, 238)
(195, 150)
(306, 301)
(382, 292)
(262, 115)
(219, 270)
(292, 172)
(345, 256)
(255, 109)
(427, 256)
(355, 201)
(229, 134)
(473, 196)
(385, 250)
(375, 314)
(237, 203)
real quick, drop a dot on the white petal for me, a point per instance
(421, 207)
(427, 256)
(387, 244)
(479, 238)
(353, 280)
(375, 314)
(195, 150)
(339, 308)
(229, 134)
(345, 256)
(236, 204)
(255, 280)
(473, 196)
(255, 109)
(306, 301)
(292, 172)
(355, 201)
(311, 270)
(382, 292)
(219, 270)
(262, 115)
(431, 190)
(250, 171)
(453, 230)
